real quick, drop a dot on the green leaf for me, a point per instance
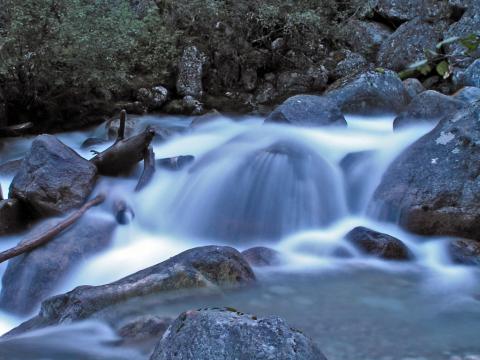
(418, 64)
(447, 41)
(443, 69)
(425, 69)
(471, 42)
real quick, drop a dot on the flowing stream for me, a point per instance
(298, 190)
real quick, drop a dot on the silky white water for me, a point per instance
(254, 184)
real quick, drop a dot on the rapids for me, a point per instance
(280, 186)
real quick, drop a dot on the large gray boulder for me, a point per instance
(219, 334)
(190, 72)
(378, 244)
(32, 277)
(432, 188)
(308, 110)
(365, 37)
(53, 178)
(408, 43)
(428, 107)
(206, 269)
(351, 63)
(371, 92)
(404, 10)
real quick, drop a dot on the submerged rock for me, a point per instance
(12, 217)
(175, 163)
(372, 92)
(428, 107)
(145, 330)
(262, 256)
(408, 44)
(308, 110)
(219, 334)
(32, 277)
(378, 244)
(464, 251)
(53, 178)
(208, 268)
(432, 187)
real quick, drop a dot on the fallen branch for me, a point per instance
(148, 169)
(123, 155)
(15, 130)
(50, 234)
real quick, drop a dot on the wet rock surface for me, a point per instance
(308, 110)
(208, 267)
(428, 107)
(378, 244)
(217, 334)
(468, 94)
(53, 178)
(442, 199)
(471, 75)
(465, 252)
(32, 277)
(144, 330)
(262, 256)
(413, 87)
(365, 37)
(369, 93)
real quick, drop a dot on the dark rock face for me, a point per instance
(413, 87)
(465, 252)
(468, 94)
(302, 81)
(190, 73)
(471, 75)
(32, 277)
(208, 267)
(262, 256)
(216, 334)
(365, 37)
(428, 107)
(308, 110)
(53, 178)
(403, 10)
(175, 163)
(442, 198)
(370, 92)
(378, 244)
(12, 217)
(408, 43)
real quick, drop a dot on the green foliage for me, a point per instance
(441, 63)
(60, 51)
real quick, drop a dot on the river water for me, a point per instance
(291, 189)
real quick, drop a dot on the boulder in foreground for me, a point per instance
(219, 334)
(209, 268)
(53, 179)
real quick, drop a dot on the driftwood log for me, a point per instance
(148, 169)
(124, 154)
(50, 234)
(15, 130)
